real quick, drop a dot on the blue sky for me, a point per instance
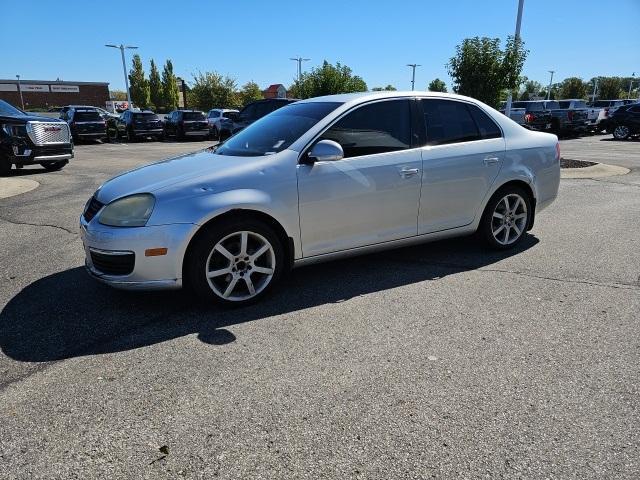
(253, 40)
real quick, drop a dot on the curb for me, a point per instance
(595, 171)
(10, 187)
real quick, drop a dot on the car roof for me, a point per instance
(366, 96)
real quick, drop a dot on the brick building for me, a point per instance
(277, 90)
(46, 94)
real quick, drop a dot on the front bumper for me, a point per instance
(148, 273)
(196, 133)
(23, 153)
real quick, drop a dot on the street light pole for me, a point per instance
(299, 60)
(595, 88)
(124, 67)
(20, 92)
(550, 82)
(413, 74)
(507, 109)
(633, 75)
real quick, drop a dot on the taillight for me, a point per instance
(529, 117)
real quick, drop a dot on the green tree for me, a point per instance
(155, 87)
(212, 90)
(437, 85)
(250, 92)
(119, 95)
(573, 87)
(608, 87)
(388, 88)
(531, 89)
(482, 70)
(138, 85)
(327, 80)
(170, 95)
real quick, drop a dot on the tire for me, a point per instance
(511, 217)
(621, 132)
(54, 166)
(112, 135)
(5, 166)
(215, 133)
(219, 249)
(131, 137)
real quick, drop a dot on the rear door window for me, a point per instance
(193, 116)
(448, 121)
(487, 127)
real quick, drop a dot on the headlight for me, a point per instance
(131, 211)
(15, 130)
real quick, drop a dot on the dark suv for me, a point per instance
(624, 122)
(30, 139)
(252, 112)
(133, 126)
(85, 123)
(186, 123)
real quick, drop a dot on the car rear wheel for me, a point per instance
(112, 134)
(235, 263)
(621, 132)
(506, 218)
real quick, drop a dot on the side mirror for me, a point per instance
(325, 151)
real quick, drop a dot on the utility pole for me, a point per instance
(300, 60)
(595, 88)
(124, 67)
(413, 74)
(20, 92)
(507, 109)
(633, 75)
(550, 82)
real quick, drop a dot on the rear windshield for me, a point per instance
(230, 115)
(194, 116)
(145, 116)
(87, 117)
(575, 104)
(276, 131)
(601, 103)
(531, 106)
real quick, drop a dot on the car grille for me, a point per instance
(47, 133)
(113, 263)
(93, 207)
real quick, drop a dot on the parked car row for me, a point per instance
(571, 116)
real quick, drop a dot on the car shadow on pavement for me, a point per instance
(67, 314)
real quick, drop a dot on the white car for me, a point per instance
(316, 180)
(215, 116)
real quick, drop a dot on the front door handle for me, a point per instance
(491, 160)
(408, 172)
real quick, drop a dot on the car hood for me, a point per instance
(202, 170)
(28, 118)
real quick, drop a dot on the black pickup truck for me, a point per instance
(30, 139)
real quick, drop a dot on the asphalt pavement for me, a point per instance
(438, 361)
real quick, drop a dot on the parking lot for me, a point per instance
(443, 360)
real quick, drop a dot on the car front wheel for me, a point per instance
(621, 132)
(506, 218)
(235, 263)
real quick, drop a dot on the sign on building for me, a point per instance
(31, 87)
(8, 87)
(65, 88)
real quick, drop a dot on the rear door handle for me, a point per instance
(408, 172)
(491, 160)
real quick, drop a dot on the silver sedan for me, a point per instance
(316, 180)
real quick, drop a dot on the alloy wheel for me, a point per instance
(509, 220)
(240, 266)
(621, 132)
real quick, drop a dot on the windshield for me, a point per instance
(8, 109)
(230, 115)
(145, 116)
(276, 131)
(194, 116)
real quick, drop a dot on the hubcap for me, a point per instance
(240, 266)
(509, 219)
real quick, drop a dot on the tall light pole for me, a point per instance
(633, 75)
(595, 89)
(550, 82)
(299, 60)
(413, 74)
(124, 67)
(507, 109)
(20, 92)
